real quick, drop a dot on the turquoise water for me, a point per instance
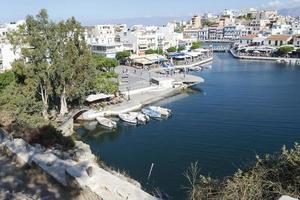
(244, 108)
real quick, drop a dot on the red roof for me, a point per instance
(248, 37)
(280, 37)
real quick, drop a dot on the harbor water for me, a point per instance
(244, 108)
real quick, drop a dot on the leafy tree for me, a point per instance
(32, 37)
(104, 64)
(72, 63)
(298, 50)
(154, 51)
(172, 49)
(123, 55)
(196, 45)
(6, 79)
(285, 49)
(56, 64)
(181, 48)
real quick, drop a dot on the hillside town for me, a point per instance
(265, 29)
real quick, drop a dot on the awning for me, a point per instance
(97, 97)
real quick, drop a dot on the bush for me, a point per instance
(285, 49)
(196, 45)
(154, 51)
(122, 55)
(47, 136)
(271, 177)
(171, 49)
(181, 48)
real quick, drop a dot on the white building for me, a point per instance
(279, 29)
(7, 53)
(102, 39)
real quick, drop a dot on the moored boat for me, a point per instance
(141, 118)
(129, 118)
(163, 111)
(151, 113)
(108, 123)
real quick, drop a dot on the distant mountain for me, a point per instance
(295, 12)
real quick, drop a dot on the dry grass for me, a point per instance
(271, 177)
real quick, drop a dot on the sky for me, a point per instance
(95, 11)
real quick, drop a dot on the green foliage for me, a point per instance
(6, 79)
(104, 64)
(122, 55)
(154, 51)
(196, 45)
(178, 30)
(171, 49)
(271, 177)
(298, 50)
(285, 49)
(181, 48)
(104, 83)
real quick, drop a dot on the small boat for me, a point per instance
(108, 123)
(151, 113)
(129, 118)
(141, 118)
(163, 111)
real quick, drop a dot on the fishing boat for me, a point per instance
(129, 118)
(163, 111)
(141, 118)
(151, 113)
(108, 123)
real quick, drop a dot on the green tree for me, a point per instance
(104, 64)
(298, 50)
(6, 79)
(120, 56)
(72, 63)
(196, 45)
(154, 51)
(181, 48)
(285, 49)
(171, 49)
(32, 38)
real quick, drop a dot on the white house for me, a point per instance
(7, 56)
(247, 40)
(278, 40)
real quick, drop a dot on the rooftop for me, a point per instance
(280, 37)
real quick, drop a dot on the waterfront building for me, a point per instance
(247, 40)
(191, 33)
(296, 40)
(203, 34)
(278, 40)
(232, 32)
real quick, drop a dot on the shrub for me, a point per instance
(47, 136)
(271, 177)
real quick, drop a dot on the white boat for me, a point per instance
(129, 118)
(162, 111)
(141, 118)
(151, 113)
(108, 123)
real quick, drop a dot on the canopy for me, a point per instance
(97, 97)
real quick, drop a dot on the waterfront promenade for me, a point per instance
(292, 61)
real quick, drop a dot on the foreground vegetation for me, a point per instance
(270, 178)
(55, 73)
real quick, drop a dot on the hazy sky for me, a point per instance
(93, 11)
